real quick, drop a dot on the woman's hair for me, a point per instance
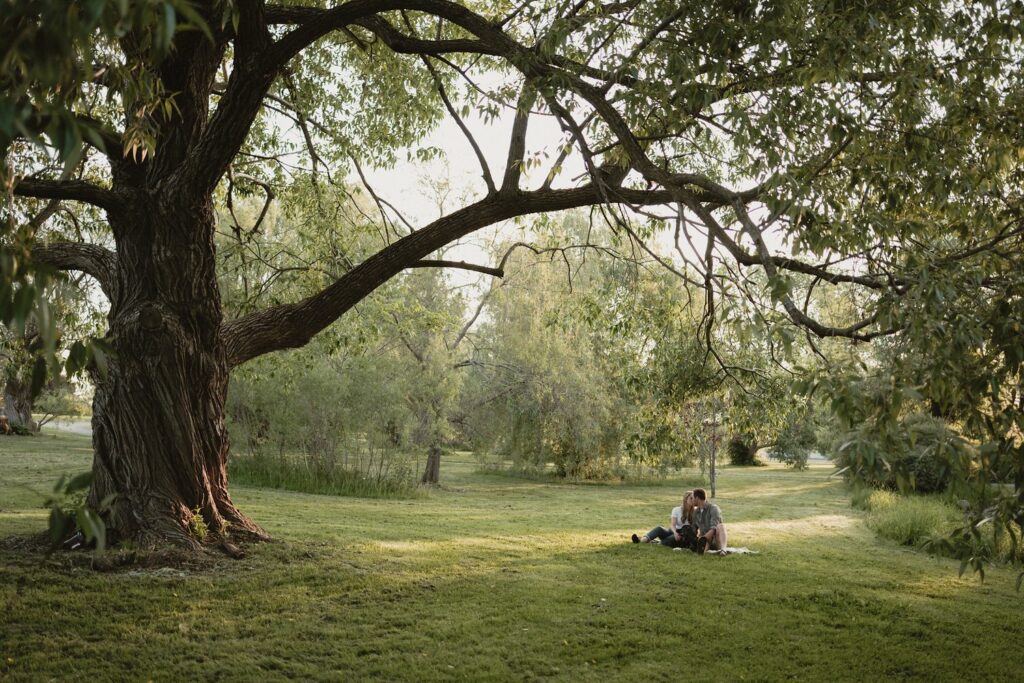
(688, 506)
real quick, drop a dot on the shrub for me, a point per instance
(923, 455)
(935, 524)
(742, 452)
(19, 429)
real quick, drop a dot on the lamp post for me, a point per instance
(714, 449)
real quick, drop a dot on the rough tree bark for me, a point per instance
(160, 444)
(18, 404)
(432, 472)
(159, 438)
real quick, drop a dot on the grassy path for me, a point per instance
(501, 579)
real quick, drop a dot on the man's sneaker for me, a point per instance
(636, 539)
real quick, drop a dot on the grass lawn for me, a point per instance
(494, 578)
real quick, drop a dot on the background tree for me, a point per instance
(429, 320)
(30, 374)
(543, 392)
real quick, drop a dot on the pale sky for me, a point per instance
(406, 182)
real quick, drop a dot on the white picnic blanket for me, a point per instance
(735, 551)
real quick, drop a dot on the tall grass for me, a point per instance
(926, 521)
(326, 476)
(910, 520)
(613, 474)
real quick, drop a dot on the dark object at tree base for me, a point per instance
(636, 539)
(77, 542)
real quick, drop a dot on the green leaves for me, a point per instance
(54, 52)
(77, 358)
(53, 49)
(68, 511)
(83, 355)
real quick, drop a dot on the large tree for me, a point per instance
(853, 144)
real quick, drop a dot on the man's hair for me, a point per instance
(699, 493)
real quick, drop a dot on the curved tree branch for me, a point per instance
(316, 25)
(94, 260)
(71, 190)
(461, 265)
(293, 325)
(796, 315)
(742, 257)
(259, 60)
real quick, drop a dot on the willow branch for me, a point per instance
(91, 259)
(71, 190)
(485, 170)
(293, 325)
(461, 265)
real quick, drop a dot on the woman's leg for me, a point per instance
(658, 532)
(670, 541)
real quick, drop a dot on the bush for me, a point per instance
(924, 455)
(19, 429)
(742, 452)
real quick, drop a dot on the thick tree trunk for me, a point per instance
(18, 404)
(159, 440)
(432, 472)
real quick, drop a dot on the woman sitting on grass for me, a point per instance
(681, 534)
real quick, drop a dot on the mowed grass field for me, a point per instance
(500, 579)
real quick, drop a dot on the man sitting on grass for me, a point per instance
(708, 518)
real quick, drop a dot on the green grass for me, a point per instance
(494, 578)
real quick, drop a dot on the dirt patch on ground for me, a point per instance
(36, 548)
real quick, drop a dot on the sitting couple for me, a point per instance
(696, 525)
